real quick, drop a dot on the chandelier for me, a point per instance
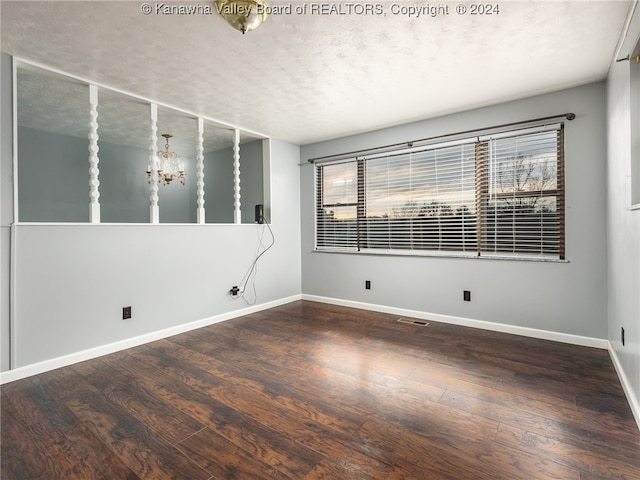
(243, 15)
(168, 165)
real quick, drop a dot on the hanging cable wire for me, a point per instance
(250, 277)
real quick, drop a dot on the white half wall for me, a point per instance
(568, 298)
(71, 281)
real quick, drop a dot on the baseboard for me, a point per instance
(626, 385)
(66, 360)
(468, 322)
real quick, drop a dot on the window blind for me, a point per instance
(496, 195)
(521, 194)
(337, 188)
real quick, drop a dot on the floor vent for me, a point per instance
(413, 322)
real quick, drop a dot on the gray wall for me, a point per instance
(73, 280)
(561, 297)
(6, 205)
(623, 224)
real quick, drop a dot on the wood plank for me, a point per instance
(450, 377)
(328, 470)
(224, 459)
(86, 457)
(567, 426)
(291, 443)
(263, 378)
(123, 389)
(602, 462)
(412, 456)
(270, 445)
(138, 446)
(40, 411)
(472, 457)
(23, 454)
(320, 433)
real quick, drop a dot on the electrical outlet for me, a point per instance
(235, 291)
(622, 335)
(367, 284)
(126, 313)
(466, 295)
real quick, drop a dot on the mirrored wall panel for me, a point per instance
(124, 154)
(252, 175)
(54, 115)
(52, 120)
(177, 145)
(219, 175)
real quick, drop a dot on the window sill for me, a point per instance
(448, 255)
(635, 207)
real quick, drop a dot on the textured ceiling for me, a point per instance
(318, 75)
(55, 103)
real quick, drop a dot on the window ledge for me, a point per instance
(444, 255)
(635, 207)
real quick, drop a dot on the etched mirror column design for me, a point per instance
(200, 216)
(94, 182)
(237, 217)
(153, 165)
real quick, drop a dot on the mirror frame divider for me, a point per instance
(200, 212)
(94, 160)
(154, 208)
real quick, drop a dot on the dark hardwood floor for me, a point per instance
(309, 391)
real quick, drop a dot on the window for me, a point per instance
(494, 195)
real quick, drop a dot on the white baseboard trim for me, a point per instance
(66, 360)
(626, 385)
(468, 322)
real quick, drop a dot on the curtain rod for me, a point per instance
(340, 156)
